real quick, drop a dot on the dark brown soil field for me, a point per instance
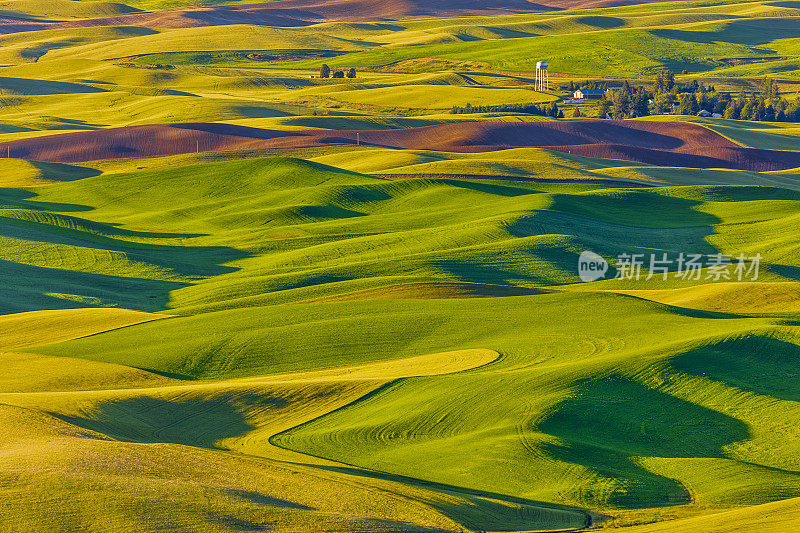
(486, 136)
(140, 141)
(674, 144)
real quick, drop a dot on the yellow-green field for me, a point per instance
(354, 337)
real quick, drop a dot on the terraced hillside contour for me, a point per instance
(237, 296)
(655, 143)
(364, 278)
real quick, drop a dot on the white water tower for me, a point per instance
(542, 76)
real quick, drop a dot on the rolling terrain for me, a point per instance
(237, 296)
(655, 143)
(279, 13)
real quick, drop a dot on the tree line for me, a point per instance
(543, 110)
(325, 72)
(667, 96)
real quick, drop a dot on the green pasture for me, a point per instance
(359, 338)
(622, 391)
(73, 79)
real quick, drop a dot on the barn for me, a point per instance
(588, 94)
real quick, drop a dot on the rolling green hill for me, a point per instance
(283, 231)
(326, 332)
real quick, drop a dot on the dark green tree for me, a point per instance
(640, 104)
(626, 87)
(721, 104)
(769, 89)
(603, 107)
(732, 111)
(759, 110)
(325, 71)
(747, 111)
(662, 103)
(621, 105)
(665, 81)
(687, 104)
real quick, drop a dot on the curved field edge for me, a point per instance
(237, 491)
(775, 517)
(266, 404)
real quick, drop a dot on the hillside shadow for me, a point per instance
(747, 193)
(467, 38)
(13, 198)
(509, 33)
(641, 208)
(699, 313)
(90, 229)
(610, 239)
(9, 128)
(605, 23)
(233, 523)
(23, 199)
(33, 288)
(27, 287)
(762, 365)
(714, 177)
(175, 92)
(484, 271)
(37, 51)
(185, 261)
(312, 281)
(64, 172)
(342, 121)
(588, 223)
(200, 422)
(74, 124)
(233, 130)
(610, 422)
(747, 32)
(326, 212)
(263, 499)
(236, 523)
(786, 271)
(490, 188)
(486, 511)
(56, 228)
(32, 87)
(251, 111)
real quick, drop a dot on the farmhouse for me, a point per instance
(588, 94)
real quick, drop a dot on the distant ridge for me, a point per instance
(293, 13)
